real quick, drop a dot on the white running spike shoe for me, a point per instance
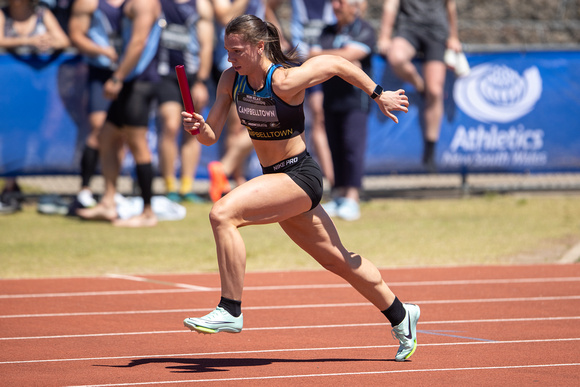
(219, 320)
(406, 332)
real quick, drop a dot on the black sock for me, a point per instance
(89, 162)
(232, 306)
(145, 181)
(395, 313)
(429, 152)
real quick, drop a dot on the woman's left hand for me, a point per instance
(393, 101)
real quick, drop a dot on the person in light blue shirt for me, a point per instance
(187, 40)
(94, 29)
(131, 88)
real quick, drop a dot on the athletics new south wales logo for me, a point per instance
(498, 93)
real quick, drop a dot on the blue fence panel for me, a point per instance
(515, 112)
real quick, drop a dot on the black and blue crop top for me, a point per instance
(263, 113)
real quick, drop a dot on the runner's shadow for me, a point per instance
(185, 365)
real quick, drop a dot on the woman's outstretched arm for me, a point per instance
(291, 82)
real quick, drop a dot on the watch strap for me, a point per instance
(378, 91)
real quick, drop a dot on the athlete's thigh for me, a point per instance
(434, 74)
(169, 113)
(401, 49)
(136, 138)
(265, 199)
(315, 233)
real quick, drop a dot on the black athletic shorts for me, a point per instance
(97, 78)
(424, 42)
(168, 88)
(133, 104)
(304, 171)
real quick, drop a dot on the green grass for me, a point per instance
(392, 232)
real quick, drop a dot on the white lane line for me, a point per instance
(285, 350)
(303, 306)
(309, 327)
(362, 373)
(193, 288)
(100, 293)
(154, 281)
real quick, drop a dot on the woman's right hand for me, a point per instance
(192, 122)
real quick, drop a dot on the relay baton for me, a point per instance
(185, 93)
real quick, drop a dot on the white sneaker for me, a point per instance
(86, 199)
(331, 207)
(217, 321)
(406, 332)
(348, 210)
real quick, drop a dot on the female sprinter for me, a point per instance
(268, 89)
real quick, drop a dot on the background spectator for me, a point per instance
(62, 11)
(237, 145)
(346, 107)
(428, 27)
(132, 89)
(25, 26)
(187, 40)
(308, 19)
(95, 31)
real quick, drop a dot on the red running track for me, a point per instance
(480, 325)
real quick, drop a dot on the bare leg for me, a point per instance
(110, 147)
(264, 199)
(168, 148)
(316, 234)
(137, 142)
(319, 139)
(400, 56)
(190, 156)
(239, 144)
(238, 147)
(190, 148)
(434, 82)
(96, 122)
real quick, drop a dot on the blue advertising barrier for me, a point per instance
(515, 112)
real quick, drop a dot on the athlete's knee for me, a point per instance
(397, 58)
(171, 132)
(433, 93)
(341, 265)
(221, 214)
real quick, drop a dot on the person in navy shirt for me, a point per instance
(346, 107)
(187, 40)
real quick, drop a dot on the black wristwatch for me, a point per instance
(378, 91)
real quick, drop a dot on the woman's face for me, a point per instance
(243, 56)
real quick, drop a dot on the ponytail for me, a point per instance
(254, 30)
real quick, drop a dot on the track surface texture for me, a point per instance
(480, 325)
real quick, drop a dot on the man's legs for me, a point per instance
(319, 138)
(169, 150)
(136, 137)
(434, 73)
(110, 146)
(401, 54)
